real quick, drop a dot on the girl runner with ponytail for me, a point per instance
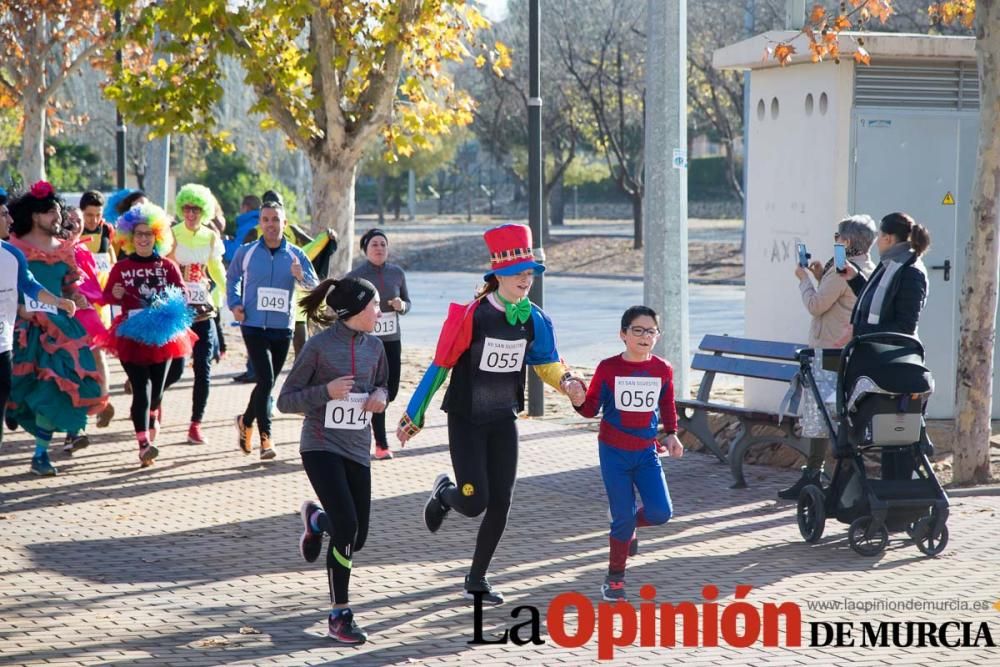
(487, 344)
(338, 381)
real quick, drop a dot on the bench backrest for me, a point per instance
(751, 358)
(765, 349)
(752, 368)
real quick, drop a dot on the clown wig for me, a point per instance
(146, 214)
(193, 194)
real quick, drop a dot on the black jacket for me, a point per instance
(902, 304)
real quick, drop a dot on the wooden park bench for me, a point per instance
(743, 357)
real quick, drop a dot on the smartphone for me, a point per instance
(800, 248)
(839, 256)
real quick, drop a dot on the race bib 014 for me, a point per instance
(636, 394)
(502, 356)
(348, 414)
(272, 299)
(387, 324)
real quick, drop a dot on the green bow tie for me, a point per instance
(517, 313)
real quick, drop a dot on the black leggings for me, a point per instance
(484, 457)
(344, 489)
(204, 350)
(148, 383)
(268, 356)
(6, 377)
(393, 354)
(299, 335)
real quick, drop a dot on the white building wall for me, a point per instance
(798, 185)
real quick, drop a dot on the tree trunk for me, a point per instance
(978, 306)
(32, 161)
(557, 204)
(637, 219)
(380, 198)
(333, 208)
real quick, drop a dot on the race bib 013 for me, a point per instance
(272, 299)
(387, 324)
(502, 356)
(348, 414)
(636, 394)
(33, 306)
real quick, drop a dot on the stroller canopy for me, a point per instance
(894, 368)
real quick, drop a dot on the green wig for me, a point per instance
(193, 194)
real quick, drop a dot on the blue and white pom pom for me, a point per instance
(160, 322)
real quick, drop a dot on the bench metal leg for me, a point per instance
(698, 426)
(746, 441)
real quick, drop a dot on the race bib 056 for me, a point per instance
(636, 394)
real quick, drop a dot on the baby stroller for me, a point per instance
(882, 392)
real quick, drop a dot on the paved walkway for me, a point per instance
(194, 561)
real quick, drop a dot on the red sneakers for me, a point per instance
(194, 434)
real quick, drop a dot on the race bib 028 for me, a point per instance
(636, 394)
(502, 356)
(387, 324)
(348, 414)
(196, 293)
(272, 299)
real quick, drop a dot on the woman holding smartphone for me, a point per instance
(830, 302)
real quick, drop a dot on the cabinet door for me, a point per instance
(909, 161)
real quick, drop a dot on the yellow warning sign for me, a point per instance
(948, 200)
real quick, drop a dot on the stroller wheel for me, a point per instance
(865, 541)
(928, 544)
(811, 513)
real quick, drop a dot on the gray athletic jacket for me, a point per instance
(335, 426)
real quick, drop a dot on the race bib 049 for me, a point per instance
(272, 299)
(502, 356)
(348, 414)
(636, 394)
(33, 306)
(387, 324)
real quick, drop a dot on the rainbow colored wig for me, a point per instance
(146, 214)
(193, 194)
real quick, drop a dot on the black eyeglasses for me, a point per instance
(643, 331)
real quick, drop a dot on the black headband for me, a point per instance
(369, 235)
(349, 296)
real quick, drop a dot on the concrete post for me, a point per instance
(665, 287)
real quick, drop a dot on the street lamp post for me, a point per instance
(119, 121)
(536, 397)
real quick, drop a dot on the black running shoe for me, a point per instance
(343, 629)
(482, 587)
(435, 509)
(75, 443)
(613, 588)
(311, 542)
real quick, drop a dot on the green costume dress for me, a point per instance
(56, 383)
